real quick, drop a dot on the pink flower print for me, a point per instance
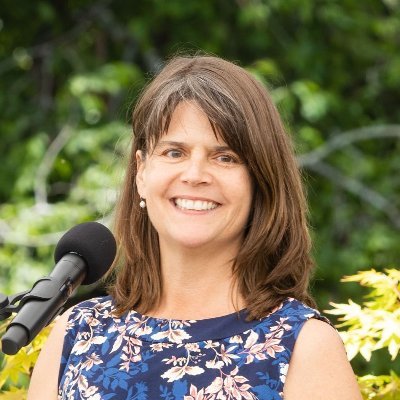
(236, 339)
(175, 361)
(173, 335)
(160, 346)
(215, 387)
(214, 364)
(130, 352)
(226, 355)
(91, 360)
(209, 344)
(102, 307)
(82, 314)
(195, 394)
(82, 346)
(270, 347)
(138, 326)
(251, 340)
(192, 347)
(92, 321)
(70, 324)
(178, 372)
(281, 325)
(283, 370)
(181, 366)
(231, 387)
(118, 343)
(180, 324)
(87, 392)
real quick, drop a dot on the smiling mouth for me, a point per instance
(197, 205)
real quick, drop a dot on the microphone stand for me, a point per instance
(47, 289)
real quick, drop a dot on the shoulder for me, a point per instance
(294, 314)
(319, 368)
(297, 310)
(81, 314)
(318, 335)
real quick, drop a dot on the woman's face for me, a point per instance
(197, 190)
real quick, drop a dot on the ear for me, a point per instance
(140, 181)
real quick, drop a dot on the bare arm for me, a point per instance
(319, 369)
(43, 385)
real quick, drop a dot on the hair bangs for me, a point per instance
(223, 112)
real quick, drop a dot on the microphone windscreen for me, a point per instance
(94, 243)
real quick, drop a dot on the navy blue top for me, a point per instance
(139, 357)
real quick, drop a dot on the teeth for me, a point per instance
(197, 205)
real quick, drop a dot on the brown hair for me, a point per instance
(274, 260)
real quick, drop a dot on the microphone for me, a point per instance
(83, 255)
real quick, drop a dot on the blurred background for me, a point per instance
(71, 70)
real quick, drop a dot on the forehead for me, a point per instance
(189, 119)
(186, 113)
(188, 123)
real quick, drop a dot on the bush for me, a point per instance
(16, 370)
(373, 326)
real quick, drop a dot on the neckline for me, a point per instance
(240, 313)
(176, 331)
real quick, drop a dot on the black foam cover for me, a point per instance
(94, 243)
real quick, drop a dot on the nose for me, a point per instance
(196, 172)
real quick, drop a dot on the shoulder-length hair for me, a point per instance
(274, 260)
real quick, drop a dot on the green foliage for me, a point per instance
(33, 228)
(384, 387)
(15, 370)
(372, 326)
(69, 72)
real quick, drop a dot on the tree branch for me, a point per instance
(345, 139)
(44, 169)
(357, 188)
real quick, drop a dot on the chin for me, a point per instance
(193, 242)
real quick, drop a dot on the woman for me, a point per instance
(210, 297)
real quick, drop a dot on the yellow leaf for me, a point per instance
(394, 347)
(14, 394)
(21, 364)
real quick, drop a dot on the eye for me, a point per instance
(173, 153)
(228, 159)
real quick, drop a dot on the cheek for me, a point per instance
(156, 182)
(244, 188)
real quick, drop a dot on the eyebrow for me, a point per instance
(182, 144)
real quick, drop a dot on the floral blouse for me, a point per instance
(144, 358)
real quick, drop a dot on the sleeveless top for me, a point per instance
(144, 358)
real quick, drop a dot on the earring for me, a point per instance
(142, 203)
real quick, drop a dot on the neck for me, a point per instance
(197, 284)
